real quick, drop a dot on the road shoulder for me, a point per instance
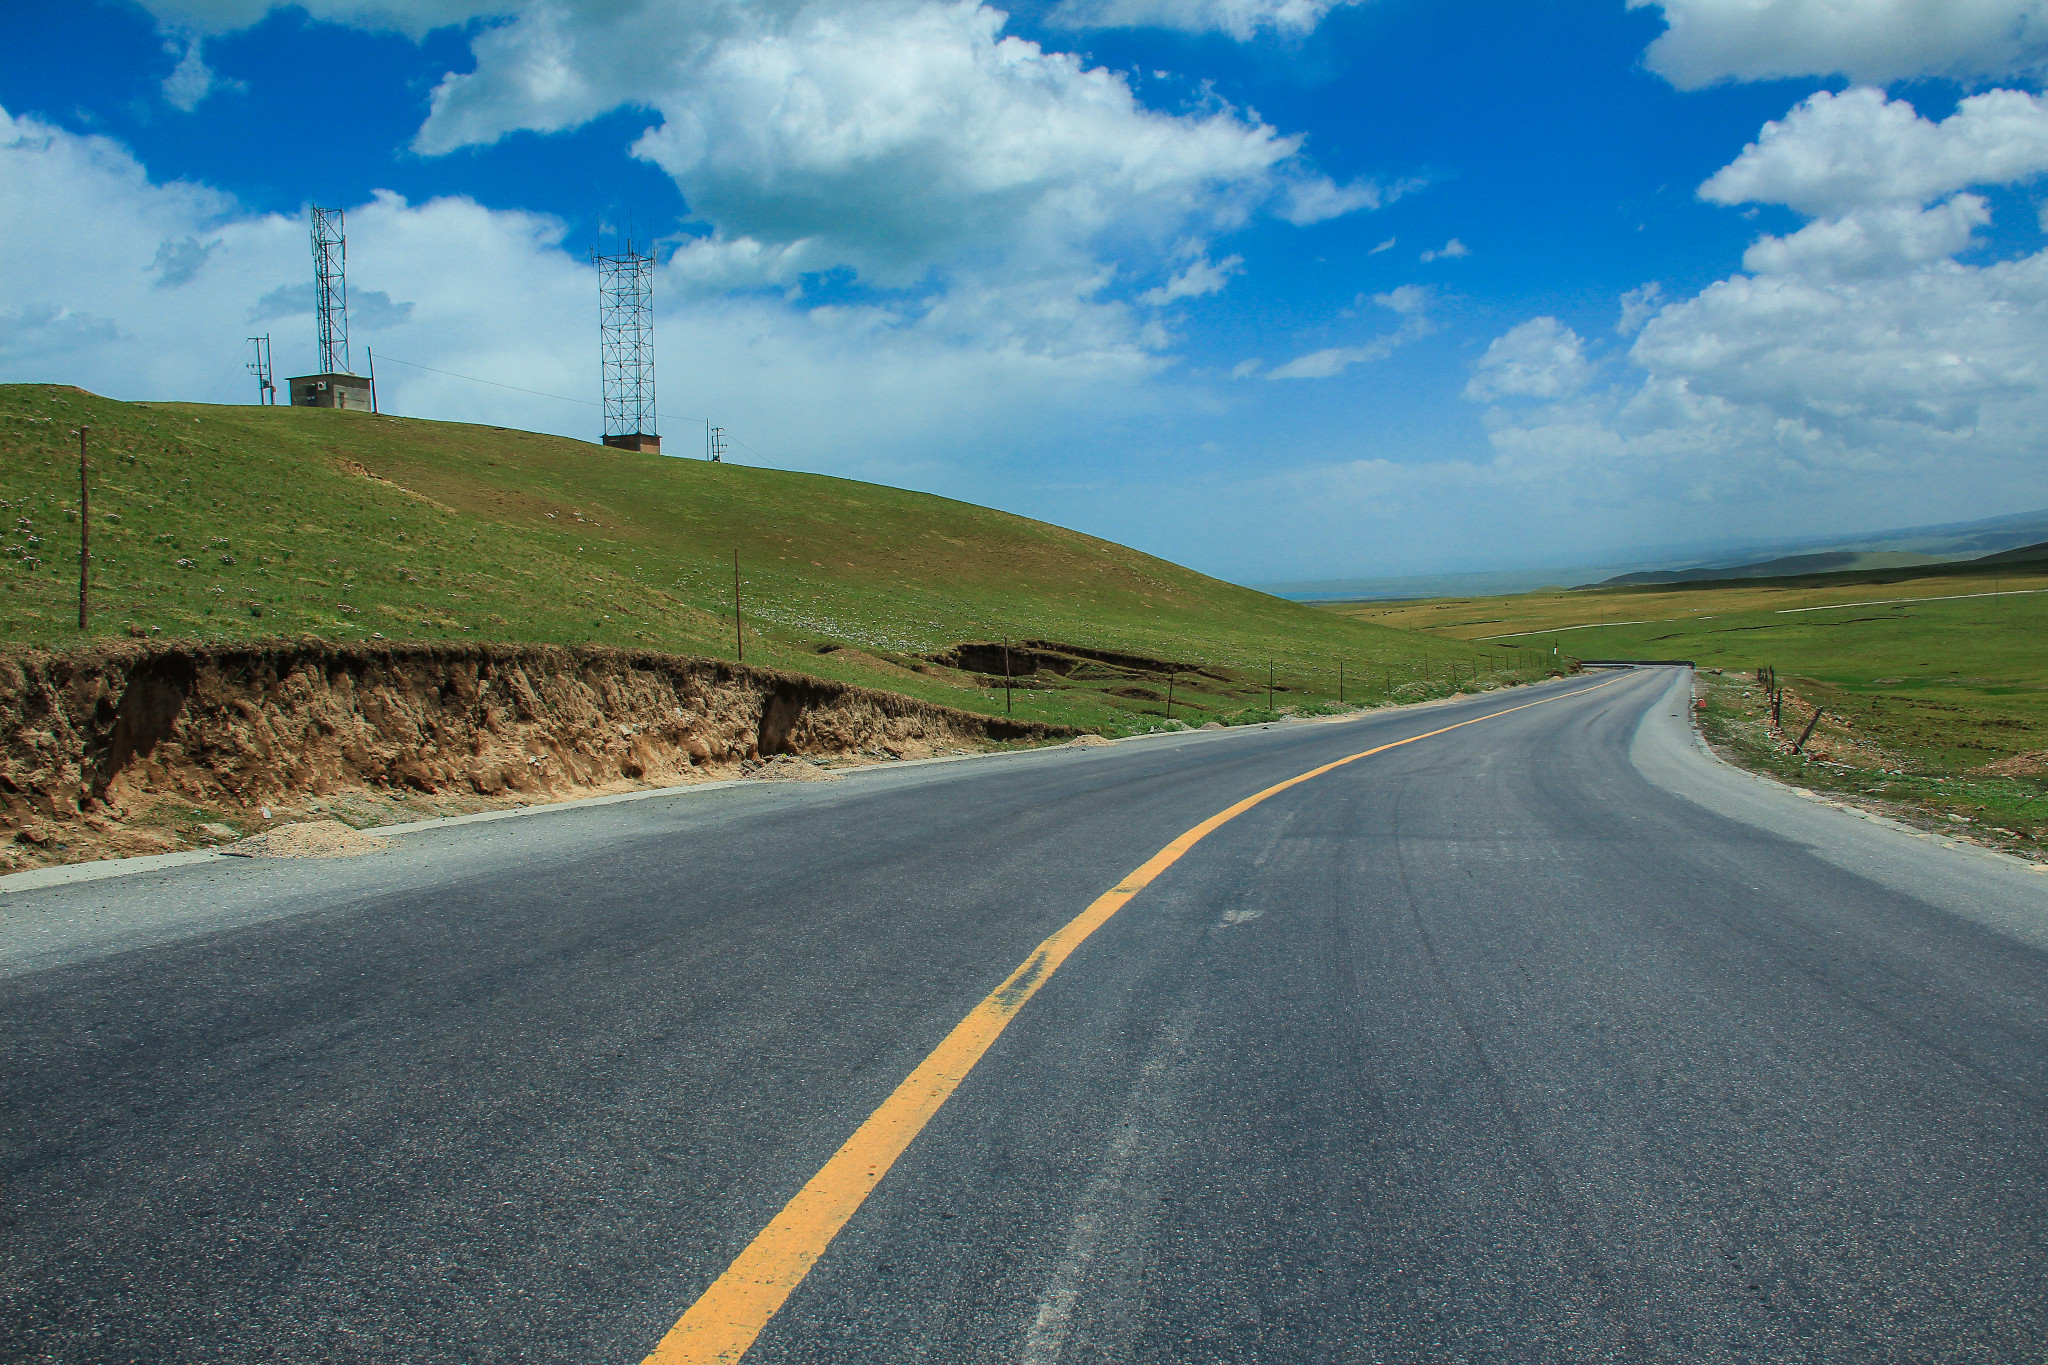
(1996, 890)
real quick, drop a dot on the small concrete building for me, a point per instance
(635, 440)
(348, 391)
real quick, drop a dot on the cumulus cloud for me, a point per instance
(1857, 351)
(1012, 209)
(1449, 251)
(910, 141)
(1879, 242)
(1834, 153)
(1878, 41)
(1542, 358)
(1241, 19)
(882, 391)
(896, 137)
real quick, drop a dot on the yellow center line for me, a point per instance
(724, 1321)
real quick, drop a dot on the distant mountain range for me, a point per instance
(1929, 545)
(2013, 537)
(1830, 561)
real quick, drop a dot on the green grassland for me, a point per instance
(1934, 680)
(225, 523)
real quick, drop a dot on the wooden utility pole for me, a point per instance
(84, 534)
(739, 640)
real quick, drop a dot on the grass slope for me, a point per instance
(237, 522)
(1935, 680)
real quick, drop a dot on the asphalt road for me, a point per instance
(1547, 1038)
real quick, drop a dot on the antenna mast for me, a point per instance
(625, 319)
(330, 286)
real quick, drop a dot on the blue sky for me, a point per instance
(1281, 289)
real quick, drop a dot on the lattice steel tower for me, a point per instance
(330, 288)
(625, 319)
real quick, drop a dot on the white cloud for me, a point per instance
(1245, 369)
(1834, 153)
(897, 137)
(1638, 306)
(1871, 242)
(890, 393)
(1878, 41)
(1542, 358)
(1306, 199)
(1241, 19)
(1332, 361)
(1410, 301)
(1449, 251)
(1387, 245)
(191, 80)
(1198, 279)
(1009, 198)
(1855, 359)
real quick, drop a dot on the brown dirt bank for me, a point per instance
(141, 748)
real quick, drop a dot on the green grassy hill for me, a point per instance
(240, 522)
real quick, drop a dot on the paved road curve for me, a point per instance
(1542, 1039)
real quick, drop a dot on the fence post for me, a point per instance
(84, 534)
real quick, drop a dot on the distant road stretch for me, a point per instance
(1543, 1037)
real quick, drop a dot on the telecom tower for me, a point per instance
(335, 386)
(259, 365)
(330, 287)
(625, 319)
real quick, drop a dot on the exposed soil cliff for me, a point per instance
(140, 748)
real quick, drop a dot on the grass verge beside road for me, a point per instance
(1933, 683)
(1849, 755)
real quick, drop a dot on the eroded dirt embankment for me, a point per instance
(141, 748)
